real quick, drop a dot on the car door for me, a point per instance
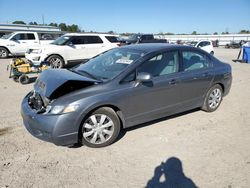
(195, 78)
(93, 45)
(76, 49)
(18, 44)
(31, 40)
(160, 96)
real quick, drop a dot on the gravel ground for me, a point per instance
(194, 149)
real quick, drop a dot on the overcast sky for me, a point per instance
(146, 16)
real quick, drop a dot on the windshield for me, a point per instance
(7, 36)
(61, 40)
(133, 37)
(193, 43)
(108, 65)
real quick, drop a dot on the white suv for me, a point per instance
(71, 48)
(205, 45)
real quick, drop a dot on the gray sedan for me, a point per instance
(121, 88)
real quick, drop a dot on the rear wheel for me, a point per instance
(4, 52)
(24, 79)
(55, 62)
(213, 98)
(101, 128)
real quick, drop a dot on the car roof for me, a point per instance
(89, 34)
(154, 47)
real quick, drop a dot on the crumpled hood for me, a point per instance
(53, 83)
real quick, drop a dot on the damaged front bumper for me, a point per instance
(60, 129)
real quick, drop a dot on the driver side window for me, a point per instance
(161, 64)
(20, 36)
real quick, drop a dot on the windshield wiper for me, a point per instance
(81, 72)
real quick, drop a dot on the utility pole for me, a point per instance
(43, 19)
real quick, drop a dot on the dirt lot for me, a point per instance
(195, 148)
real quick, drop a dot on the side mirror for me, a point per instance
(70, 44)
(142, 77)
(13, 39)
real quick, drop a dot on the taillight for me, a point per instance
(119, 44)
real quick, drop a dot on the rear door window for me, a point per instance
(92, 40)
(194, 60)
(30, 36)
(112, 39)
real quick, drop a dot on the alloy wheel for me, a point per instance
(3, 53)
(215, 98)
(55, 63)
(98, 129)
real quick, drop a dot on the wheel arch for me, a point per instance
(5, 48)
(56, 55)
(91, 110)
(221, 85)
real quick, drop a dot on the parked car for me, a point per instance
(121, 88)
(17, 43)
(205, 45)
(234, 44)
(72, 48)
(143, 38)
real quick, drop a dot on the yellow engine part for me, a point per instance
(24, 68)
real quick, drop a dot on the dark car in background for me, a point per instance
(120, 88)
(143, 38)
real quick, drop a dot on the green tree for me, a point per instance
(215, 33)
(75, 28)
(19, 22)
(168, 33)
(32, 23)
(53, 24)
(243, 31)
(111, 32)
(63, 26)
(194, 33)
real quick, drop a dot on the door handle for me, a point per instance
(23, 42)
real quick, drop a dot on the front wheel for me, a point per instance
(55, 62)
(213, 98)
(4, 52)
(101, 128)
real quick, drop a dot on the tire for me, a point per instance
(24, 79)
(4, 53)
(101, 128)
(15, 78)
(213, 98)
(55, 61)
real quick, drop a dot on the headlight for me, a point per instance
(36, 51)
(62, 109)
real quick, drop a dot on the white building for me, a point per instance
(222, 38)
(9, 28)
